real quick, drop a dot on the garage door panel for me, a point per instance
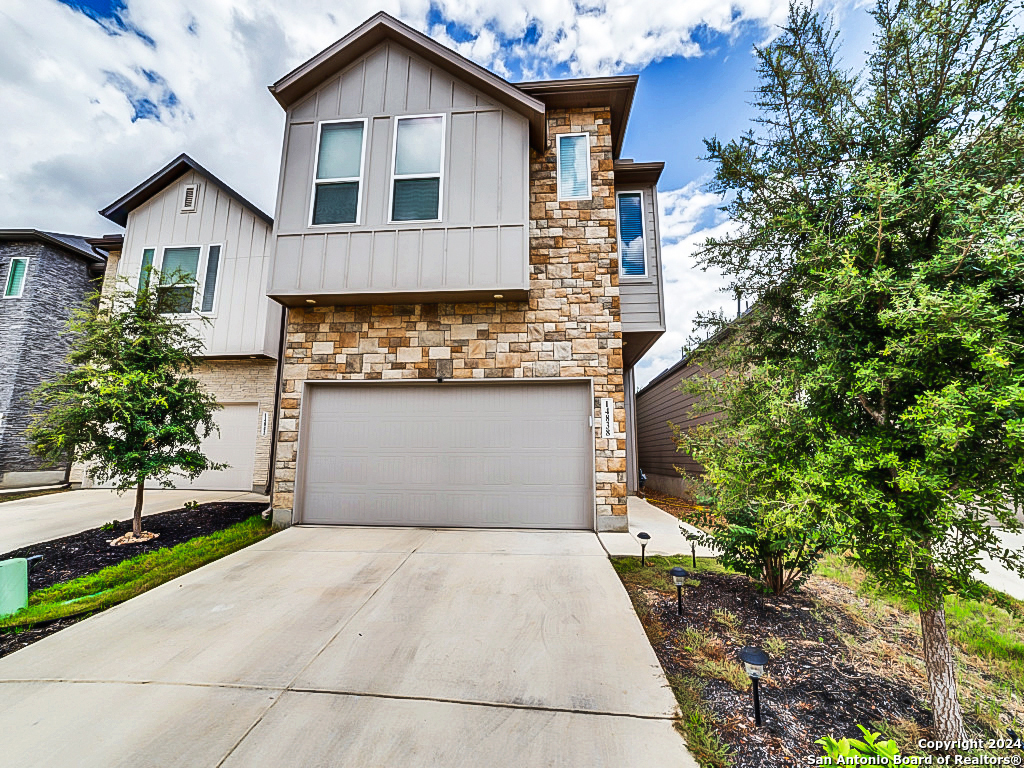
(481, 455)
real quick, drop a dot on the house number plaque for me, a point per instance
(607, 420)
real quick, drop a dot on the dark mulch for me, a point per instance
(812, 689)
(87, 552)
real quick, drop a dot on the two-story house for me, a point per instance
(44, 276)
(470, 271)
(208, 246)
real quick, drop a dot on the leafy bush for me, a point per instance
(840, 752)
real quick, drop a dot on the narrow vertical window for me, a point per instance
(210, 280)
(16, 273)
(632, 246)
(147, 268)
(573, 166)
(416, 177)
(178, 272)
(339, 171)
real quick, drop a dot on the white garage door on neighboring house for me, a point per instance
(234, 446)
(500, 455)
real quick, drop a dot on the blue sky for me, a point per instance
(98, 94)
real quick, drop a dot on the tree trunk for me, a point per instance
(137, 517)
(938, 660)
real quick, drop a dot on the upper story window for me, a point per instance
(632, 243)
(572, 158)
(416, 175)
(17, 270)
(339, 173)
(188, 278)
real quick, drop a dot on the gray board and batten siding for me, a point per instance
(244, 321)
(641, 299)
(481, 242)
(657, 404)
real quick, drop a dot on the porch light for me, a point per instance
(754, 659)
(644, 539)
(499, 295)
(311, 301)
(678, 575)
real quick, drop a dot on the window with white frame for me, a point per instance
(416, 175)
(632, 243)
(572, 153)
(188, 277)
(338, 179)
(17, 272)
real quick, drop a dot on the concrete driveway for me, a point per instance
(356, 646)
(31, 521)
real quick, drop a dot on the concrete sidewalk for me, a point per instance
(356, 646)
(666, 531)
(42, 518)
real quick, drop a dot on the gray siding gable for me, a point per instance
(482, 240)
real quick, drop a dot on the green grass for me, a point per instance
(655, 575)
(125, 580)
(697, 724)
(30, 494)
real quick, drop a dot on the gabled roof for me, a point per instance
(73, 244)
(380, 27)
(580, 92)
(118, 210)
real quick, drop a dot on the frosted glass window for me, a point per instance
(210, 281)
(178, 273)
(16, 273)
(574, 167)
(341, 151)
(417, 177)
(339, 170)
(632, 261)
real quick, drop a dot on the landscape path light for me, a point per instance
(754, 659)
(644, 539)
(678, 576)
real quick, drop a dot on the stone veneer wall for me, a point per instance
(569, 326)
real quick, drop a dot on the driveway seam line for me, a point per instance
(362, 694)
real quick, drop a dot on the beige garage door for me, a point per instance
(447, 455)
(234, 446)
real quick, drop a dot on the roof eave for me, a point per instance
(46, 237)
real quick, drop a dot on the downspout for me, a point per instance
(268, 491)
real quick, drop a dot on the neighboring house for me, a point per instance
(471, 272)
(184, 218)
(43, 277)
(657, 404)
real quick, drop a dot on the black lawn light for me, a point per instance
(693, 550)
(644, 539)
(678, 574)
(754, 659)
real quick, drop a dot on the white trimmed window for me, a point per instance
(337, 183)
(188, 277)
(632, 243)
(572, 161)
(416, 171)
(17, 273)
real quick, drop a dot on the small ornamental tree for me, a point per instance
(128, 406)
(878, 386)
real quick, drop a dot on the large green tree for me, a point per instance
(877, 387)
(128, 406)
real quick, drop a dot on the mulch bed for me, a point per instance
(811, 691)
(87, 552)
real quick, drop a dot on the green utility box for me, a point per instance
(13, 585)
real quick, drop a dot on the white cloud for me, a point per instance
(688, 217)
(71, 87)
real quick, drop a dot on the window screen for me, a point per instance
(178, 274)
(574, 167)
(416, 195)
(16, 278)
(631, 235)
(338, 173)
